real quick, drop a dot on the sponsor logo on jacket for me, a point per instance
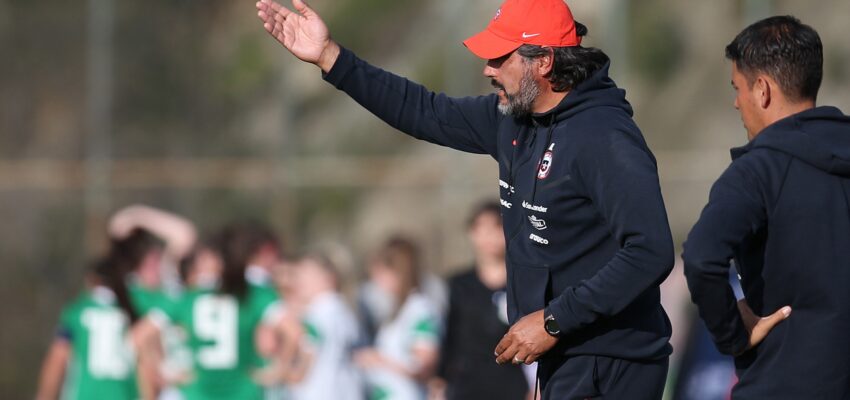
(537, 223)
(538, 239)
(504, 185)
(533, 207)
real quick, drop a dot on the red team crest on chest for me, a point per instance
(545, 164)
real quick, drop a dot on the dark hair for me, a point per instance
(238, 244)
(236, 249)
(487, 207)
(124, 257)
(401, 255)
(261, 235)
(186, 265)
(131, 250)
(785, 49)
(571, 65)
(115, 278)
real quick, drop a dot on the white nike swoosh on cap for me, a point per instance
(526, 35)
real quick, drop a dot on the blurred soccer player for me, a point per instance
(176, 232)
(330, 332)
(91, 357)
(154, 241)
(406, 347)
(154, 261)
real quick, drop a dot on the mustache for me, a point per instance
(496, 85)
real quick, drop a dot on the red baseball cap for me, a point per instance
(518, 22)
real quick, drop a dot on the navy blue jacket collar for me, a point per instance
(819, 136)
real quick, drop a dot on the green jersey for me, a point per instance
(151, 301)
(220, 332)
(145, 299)
(102, 364)
(265, 290)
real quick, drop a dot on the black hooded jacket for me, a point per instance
(782, 212)
(586, 229)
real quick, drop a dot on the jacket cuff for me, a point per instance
(558, 309)
(342, 66)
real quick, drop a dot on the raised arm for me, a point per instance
(467, 124)
(303, 33)
(178, 233)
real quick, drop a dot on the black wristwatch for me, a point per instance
(551, 326)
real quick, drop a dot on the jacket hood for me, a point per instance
(597, 91)
(819, 136)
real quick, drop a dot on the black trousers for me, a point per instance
(598, 377)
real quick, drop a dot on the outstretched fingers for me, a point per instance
(273, 7)
(265, 15)
(276, 30)
(273, 16)
(269, 11)
(302, 32)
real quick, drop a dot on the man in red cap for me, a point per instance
(588, 240)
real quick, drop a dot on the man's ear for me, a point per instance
(547, 62)
(764, 90)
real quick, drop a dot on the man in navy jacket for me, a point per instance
(782, 212)
(588, 241)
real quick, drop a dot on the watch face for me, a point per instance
(551, 326)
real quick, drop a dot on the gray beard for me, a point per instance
(520, 104)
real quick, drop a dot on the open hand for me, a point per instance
(759, 327)
(303, 33)
(526, 341)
